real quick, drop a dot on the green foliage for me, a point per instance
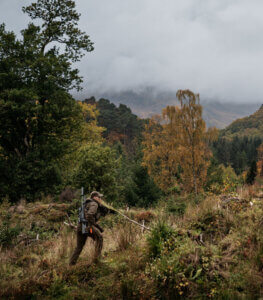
(58, 289)
(230, 180)
(8, 233)
(96, 170)
(176, 206)
(120, 123)
(38, 116)
(252, 173)
(214, 182)
(156, 240)
(213, 252)
(178, 272)
(249, 126)
(221, 179)
(142, 191)
(238, 152)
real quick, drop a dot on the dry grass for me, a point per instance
(232, 243)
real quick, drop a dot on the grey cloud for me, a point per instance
(213, 47)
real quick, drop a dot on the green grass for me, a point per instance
(212, 251)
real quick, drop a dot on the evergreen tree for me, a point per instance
(252, 173)
(142, 191)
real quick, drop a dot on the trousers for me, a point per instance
(81, 240)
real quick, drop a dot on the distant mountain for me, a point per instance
(251, 126)
(220, 114)
(148, 102)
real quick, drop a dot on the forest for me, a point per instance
(198, 190)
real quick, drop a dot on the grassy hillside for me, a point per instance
(212, 250)
(251, 126)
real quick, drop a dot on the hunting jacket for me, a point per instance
(94, 210)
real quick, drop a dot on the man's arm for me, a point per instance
(105, 210)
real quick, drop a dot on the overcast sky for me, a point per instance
(214, 47)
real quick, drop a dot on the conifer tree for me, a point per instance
(252, 173)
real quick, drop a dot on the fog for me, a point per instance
(212, 47)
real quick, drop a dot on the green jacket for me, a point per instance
(94, 210)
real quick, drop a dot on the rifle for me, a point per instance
(82, 219)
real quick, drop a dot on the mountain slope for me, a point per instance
(251, 126)
(148, 101)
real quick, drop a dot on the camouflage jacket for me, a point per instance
(94, 210)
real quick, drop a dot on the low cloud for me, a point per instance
(212, 47)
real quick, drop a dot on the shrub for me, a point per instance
(67, 195)
(176, 206)
(157, 238)
(7, 233)
(145, 216)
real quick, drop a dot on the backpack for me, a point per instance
(81, 211)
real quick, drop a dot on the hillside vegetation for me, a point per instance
(251, 126)
(150, 101)
(200, 195)
(211, 249)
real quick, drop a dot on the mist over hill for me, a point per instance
(149, 101)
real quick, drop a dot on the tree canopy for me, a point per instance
(175, 148)
(38, 116)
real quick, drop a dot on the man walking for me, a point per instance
(93, 209)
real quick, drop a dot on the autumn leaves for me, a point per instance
(175, 145)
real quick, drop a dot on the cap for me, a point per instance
(95, 194)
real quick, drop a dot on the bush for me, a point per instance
(8, 234)
(67, 195)
(157, 238)
(176, 206)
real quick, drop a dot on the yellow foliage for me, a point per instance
(260, 160)
(159, 152)
(91, 132)
(178, 139)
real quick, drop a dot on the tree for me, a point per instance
(175, 146)
(38, 116)
(160, 154)
(260, 159)
(193, 151)
(252, 173)
(120, 123)
(96, 169)
(142, 190)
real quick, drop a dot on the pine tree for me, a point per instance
(252, 173)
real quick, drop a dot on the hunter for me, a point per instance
(93, 209)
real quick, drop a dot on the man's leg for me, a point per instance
(81, 240)
(98, 238)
